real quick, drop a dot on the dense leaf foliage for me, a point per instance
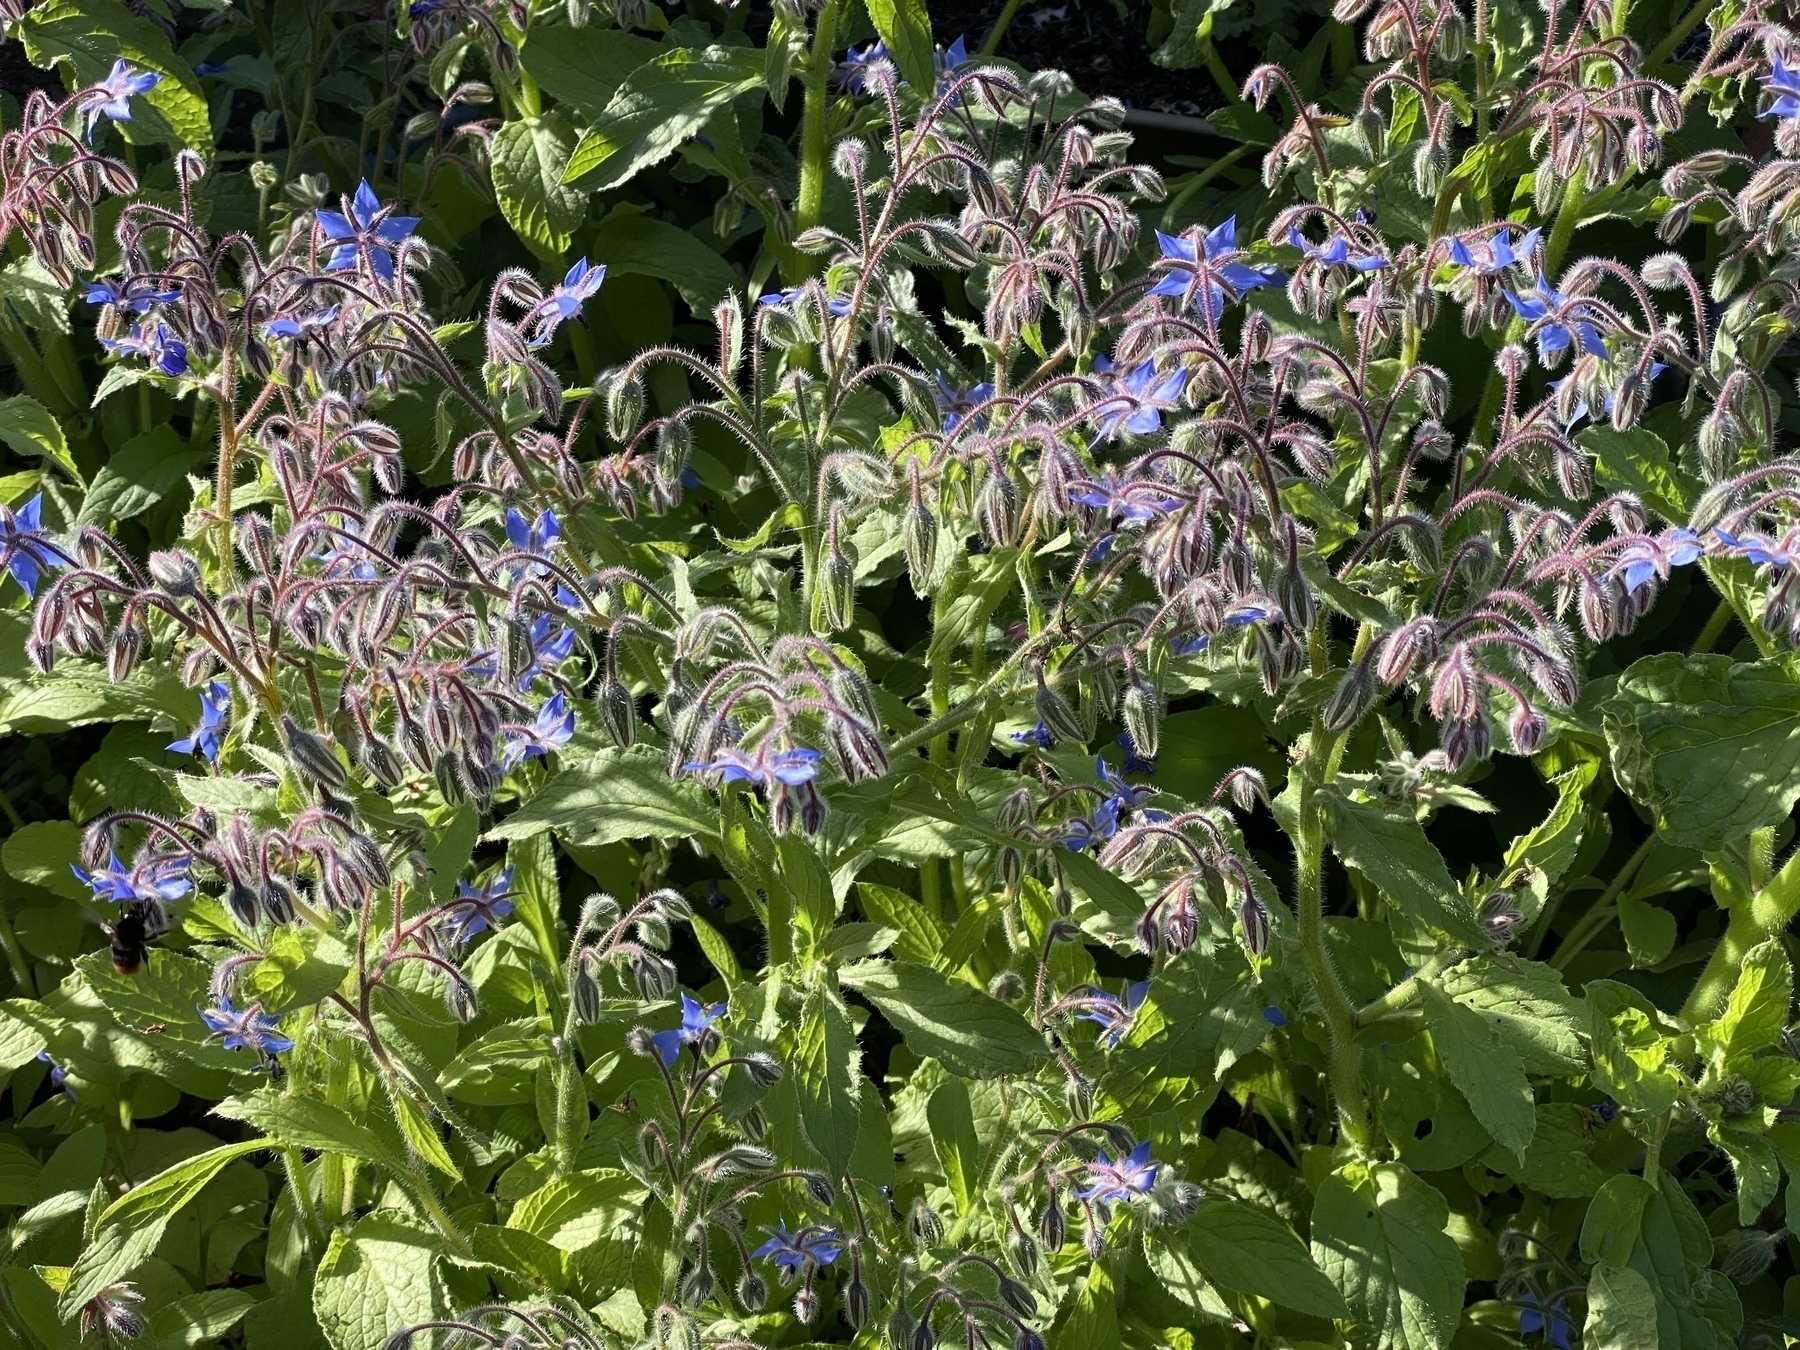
(658, 709)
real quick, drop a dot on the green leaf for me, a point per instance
(716, 950)
(1757, 1171)
(41, 853)
(952, 1120)
(620, 794)
(659, 106)
(921, 936)
(1649, 930)
(1390, 848)
(905, 28)
(1621, 1312)
(89, 35)
(1756, 1012)
(1089, 1316)
(824, 1063)
(300, 966)
(811, 902)
(1551, 846)
(1378, 1234)
(1609, 1229)
(1638, 461)
(1245, 1249)
(198, 1318)
(1630, 1050)
(132, 1226)
(27, 427)
(1681, 730)
(964, 1029)
(529, 159)
(1169, 1254)
(1526, 1006)
(585, 66)
(629, 241)
(576, 1211)
(140, 474)
(420, 1134)
(1113, 908)
(375, 1279)
(1485, 1070)
(500, 1066)
(1559, 1162)
(159, 1004)
(307, 1122)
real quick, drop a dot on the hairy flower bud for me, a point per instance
(1351, 698)
(312, 757)
(1141, 713)
(624, 396)
(618, 711)
(837, 587)
(919, 537)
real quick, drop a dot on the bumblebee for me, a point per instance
(131, 938)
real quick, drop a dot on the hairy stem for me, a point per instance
(814, 149)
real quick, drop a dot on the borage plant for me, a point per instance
(1018, 705)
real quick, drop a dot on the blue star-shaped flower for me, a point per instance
(763, 766)
(246, 1029)
(215, 713)
(1644, 559)
(553, 729)
(814, 1244)
(551, 644)
(1038, 735)
(26, 552)
(1119, 1182)
(159, 346)
(1138, 400)
(1495, 256)
(1336, 252)
(1785, 85)
(1113, 1014)
(482, 908)
(696, 1025)
(1275, 1017)
(957, 405)
(364, 229)
(1131, 499)
(1245, 612)
(132, 295)
(788, 298)
(580, 284)
(153, 880)
(949, 62)
(111, 98)
(299, 325)
(1549, 1321)
(527, 537)
(853, 74)
(1763, 551)
(1203, 262)
(1543, 307)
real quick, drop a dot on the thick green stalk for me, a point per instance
(1568, 216)
(1765, 915)
(1345, 1069)
(814, 150)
